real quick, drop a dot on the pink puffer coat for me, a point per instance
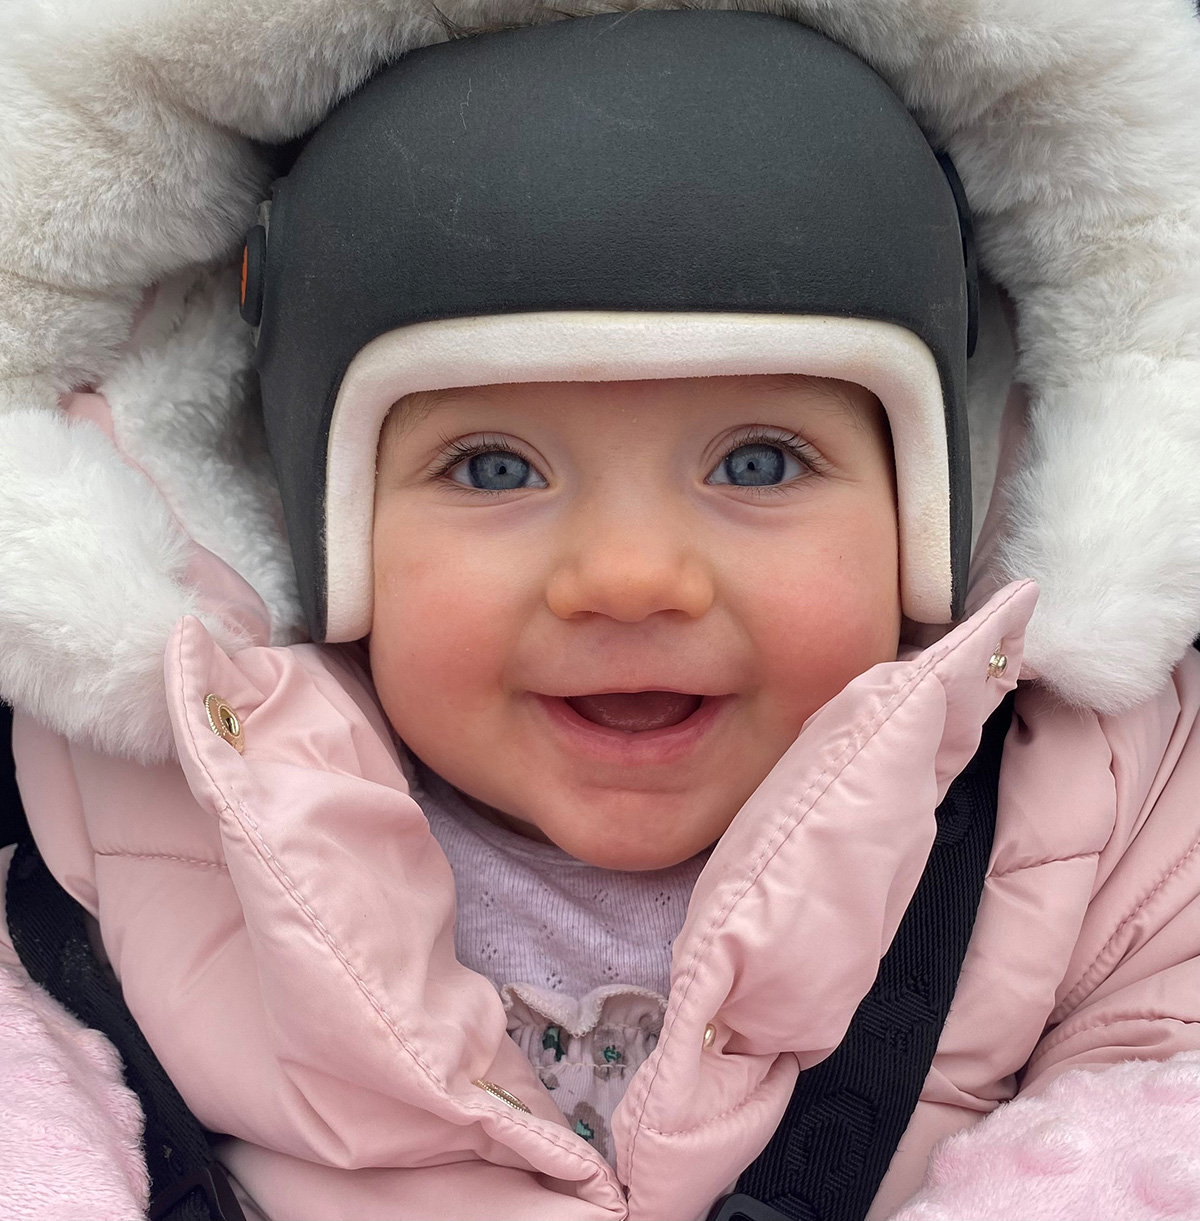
(282, 924)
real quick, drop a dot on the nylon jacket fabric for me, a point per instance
(282, 922)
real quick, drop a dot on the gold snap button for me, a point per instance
(496, 1091)
(224, 722)
(710, 1033)
(998, 664)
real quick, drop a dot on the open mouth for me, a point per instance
(634, 729)
(636, 711)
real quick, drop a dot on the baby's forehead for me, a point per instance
(827, 393)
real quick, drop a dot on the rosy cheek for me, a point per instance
(437, 627)
(835, 615)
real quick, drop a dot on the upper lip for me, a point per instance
(603, 689)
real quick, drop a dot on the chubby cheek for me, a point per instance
(829, 618)
(438, 629)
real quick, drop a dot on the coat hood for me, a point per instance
(137, 146)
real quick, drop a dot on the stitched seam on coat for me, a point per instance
(1050, 860)
(1109, 1022)
(271, 863)
(787, 824)
(276, 868)
(199, 862)
(753, 1096)
(1098, 964)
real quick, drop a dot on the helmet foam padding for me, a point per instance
(585, 346)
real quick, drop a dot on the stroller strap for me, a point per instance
(50, 936)
(847, 1114)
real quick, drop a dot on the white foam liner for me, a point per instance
(890, 361)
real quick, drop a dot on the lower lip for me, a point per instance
(647, 746)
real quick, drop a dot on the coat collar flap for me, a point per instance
(803, 894)
(375, 1033)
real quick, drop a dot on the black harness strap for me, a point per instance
(49, 934)
(847, 1114)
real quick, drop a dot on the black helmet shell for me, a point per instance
(675, 162)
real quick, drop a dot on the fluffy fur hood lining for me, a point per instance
(132, 154)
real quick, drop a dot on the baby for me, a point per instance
(627, 417)
(614, 376)
(603, 611)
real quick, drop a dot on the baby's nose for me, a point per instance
(629, 572)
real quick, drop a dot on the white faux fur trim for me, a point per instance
(184, 408)
(1120, 588)
(586, 345)
(91, 584)
(125, 147)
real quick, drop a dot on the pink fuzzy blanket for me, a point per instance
(1115, 1144)
(70, 1131)
(1119, 1144)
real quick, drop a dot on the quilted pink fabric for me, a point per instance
(70, 1131)
(1121, 1144)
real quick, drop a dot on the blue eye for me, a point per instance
(752, 465)
(491, 469)
(498, 471)
(757, 464)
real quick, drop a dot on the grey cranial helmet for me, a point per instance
(663, 194)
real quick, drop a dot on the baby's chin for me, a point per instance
(643, 857)
(596, 846)
(640, 862)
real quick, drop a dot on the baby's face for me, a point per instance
(729, 540)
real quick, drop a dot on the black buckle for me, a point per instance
(740, 1207)
(212, 1180)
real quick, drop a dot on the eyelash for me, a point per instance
(458, 451)
(804, 453)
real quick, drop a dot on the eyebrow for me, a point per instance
(833, 390)
(416, 407)
(411, 409)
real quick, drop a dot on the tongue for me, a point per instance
(634, 711)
